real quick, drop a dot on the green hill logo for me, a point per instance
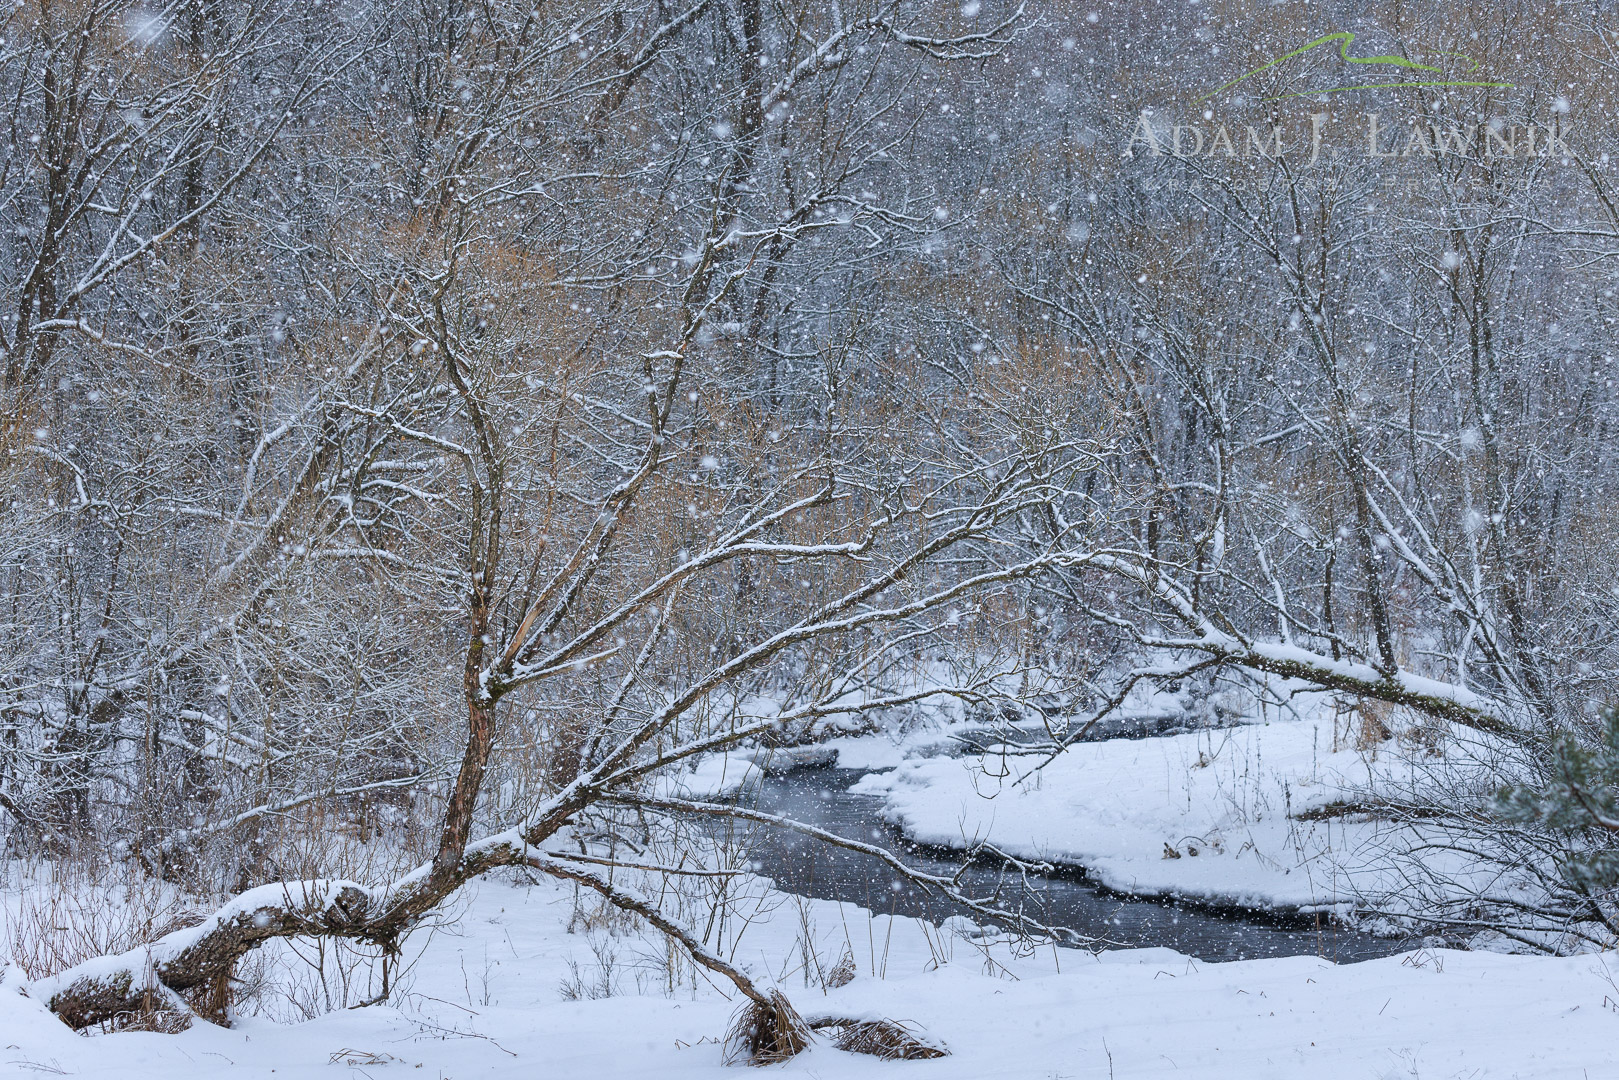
(1407, 74)
(1419, 135)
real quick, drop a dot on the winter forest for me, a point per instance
(968, 539)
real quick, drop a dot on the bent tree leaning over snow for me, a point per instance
(510, 437)
(472, 415)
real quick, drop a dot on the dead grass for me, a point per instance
(889, 1040)
(67, 912)
(843, 974)
(766, 1033)
(161, 1020)
(1375, 727)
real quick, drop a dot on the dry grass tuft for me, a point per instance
(1375, 726)
(889, 1040)
(159, 1013)
(67, 911)
(766, 1034)
(843, 974)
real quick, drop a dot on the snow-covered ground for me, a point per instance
(485, 1000)
(1211, 815)
(525, 982)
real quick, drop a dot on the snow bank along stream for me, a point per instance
(1070, 898)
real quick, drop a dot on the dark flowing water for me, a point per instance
(821, 797)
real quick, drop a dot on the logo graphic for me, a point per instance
(1343, 38)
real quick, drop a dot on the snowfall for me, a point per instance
(515, 986)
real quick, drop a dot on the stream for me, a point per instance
(820, 796)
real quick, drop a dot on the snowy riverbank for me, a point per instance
(1212, 815)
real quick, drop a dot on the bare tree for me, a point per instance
(522, 455)
(1355, 391)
